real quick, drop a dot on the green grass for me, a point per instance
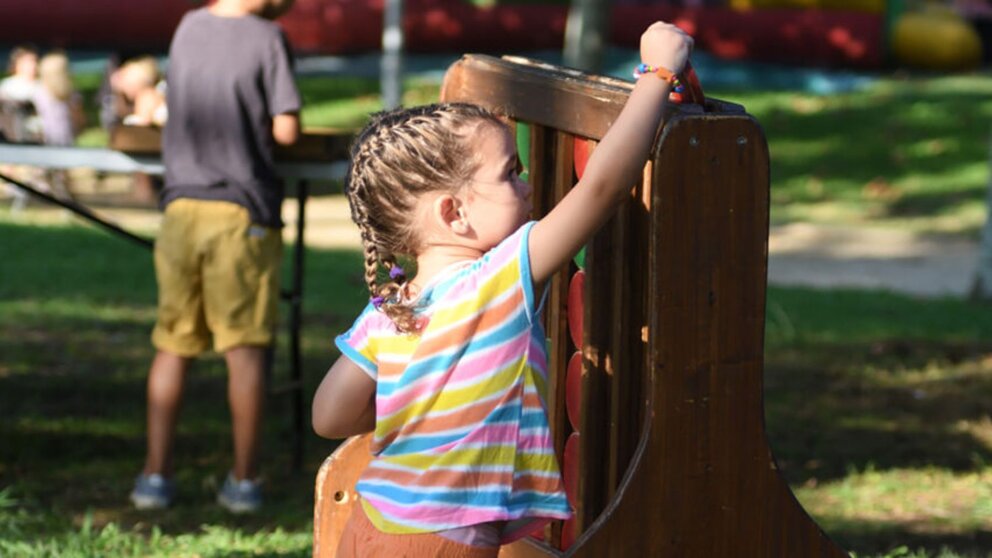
(877, 409)
(76, 308)
(907, 152)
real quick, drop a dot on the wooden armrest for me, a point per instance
(136, 140)
(335, 494)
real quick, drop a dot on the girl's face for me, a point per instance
(497, 202)
(26, 66)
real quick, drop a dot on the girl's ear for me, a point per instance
(450, 213)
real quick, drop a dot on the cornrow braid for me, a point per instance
(399, 156)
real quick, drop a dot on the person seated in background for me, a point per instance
(18, 121)
(136, 98)
(23, 80)
(60, 112)
(138, 82)
(59, 105)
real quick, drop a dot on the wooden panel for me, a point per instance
(335, 493)
(703, 477)
(597, 368)
(627, 349)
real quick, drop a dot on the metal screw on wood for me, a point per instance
(741, 140)
(693, 141)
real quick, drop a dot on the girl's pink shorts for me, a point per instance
(361, 539)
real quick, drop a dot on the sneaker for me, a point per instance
(240, 496)
(152, 492)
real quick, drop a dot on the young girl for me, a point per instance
(448, 365)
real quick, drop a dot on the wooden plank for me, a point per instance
(136, 140)
(565, 99)
(313, 145)
(703, 475)
(557, 156)
(335, 493)
(629, 323)
(597, 369)
(535, 93)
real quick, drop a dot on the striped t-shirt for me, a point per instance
(461, 434)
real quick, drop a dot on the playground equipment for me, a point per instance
(933, 37)
(840, 33)
(656, 334)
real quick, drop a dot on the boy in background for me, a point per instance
(231, 97)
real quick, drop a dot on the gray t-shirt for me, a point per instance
(227, 78)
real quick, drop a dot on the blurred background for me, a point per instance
(878, 373)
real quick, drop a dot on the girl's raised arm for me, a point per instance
(617, 162)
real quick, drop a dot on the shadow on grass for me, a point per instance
(929, 204)
(911, 148)
(853, 380)
(837, 408)
(882, 538)
(76, 310)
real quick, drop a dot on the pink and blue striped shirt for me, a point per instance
(461, 435)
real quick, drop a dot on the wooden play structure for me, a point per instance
(656, 335)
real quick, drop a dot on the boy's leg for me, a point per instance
(165, 389)
(241, 297)
(246, 396)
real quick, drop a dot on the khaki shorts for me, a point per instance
(218, 277)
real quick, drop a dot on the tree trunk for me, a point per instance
(391, 69)
(586, 34)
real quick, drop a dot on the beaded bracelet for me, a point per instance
(666, 75)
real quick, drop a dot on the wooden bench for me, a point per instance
(315, 145)
(656, 336)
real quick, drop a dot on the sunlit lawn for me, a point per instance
(877, 404)
(909, 152)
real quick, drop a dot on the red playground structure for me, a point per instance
(837, 33)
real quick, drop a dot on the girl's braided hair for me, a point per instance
(400, 155)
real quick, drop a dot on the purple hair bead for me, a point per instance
(396, 272)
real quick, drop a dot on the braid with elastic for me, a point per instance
(396, 158)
